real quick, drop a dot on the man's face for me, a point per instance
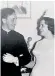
(11, 21)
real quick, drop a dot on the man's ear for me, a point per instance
(4, 20)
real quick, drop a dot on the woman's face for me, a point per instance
(43, 28)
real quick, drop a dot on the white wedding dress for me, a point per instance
(44, 52)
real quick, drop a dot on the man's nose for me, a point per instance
(15, 22)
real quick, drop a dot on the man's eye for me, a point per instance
(13, 19)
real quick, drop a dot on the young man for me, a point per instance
(14, 51)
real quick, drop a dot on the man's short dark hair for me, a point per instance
(5, 12)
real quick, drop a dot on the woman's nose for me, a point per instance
(40, 27)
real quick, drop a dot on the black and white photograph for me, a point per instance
(27, 38)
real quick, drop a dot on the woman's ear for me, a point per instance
(4, 20)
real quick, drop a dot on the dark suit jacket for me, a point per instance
(14, 44)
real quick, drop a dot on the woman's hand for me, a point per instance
(10, 59)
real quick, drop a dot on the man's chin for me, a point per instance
(13, 28)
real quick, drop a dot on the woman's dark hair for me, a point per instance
(5, 12)
(49, 22)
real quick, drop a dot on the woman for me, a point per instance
(44, 49)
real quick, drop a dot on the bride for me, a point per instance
(44, 49)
